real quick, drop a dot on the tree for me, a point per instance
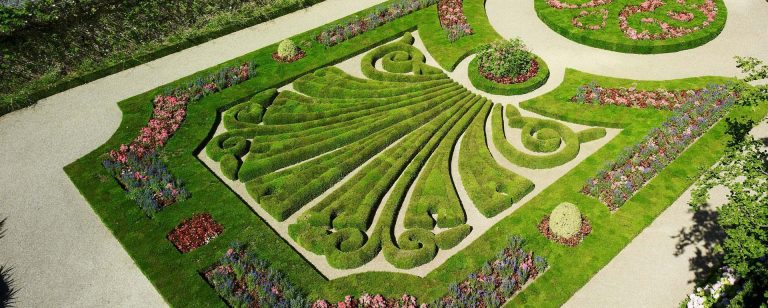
(744, 218)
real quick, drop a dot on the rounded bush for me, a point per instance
(490, 86)
(287, 49)
(565, 220)
(504, 58)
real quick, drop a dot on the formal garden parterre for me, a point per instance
(361, 168)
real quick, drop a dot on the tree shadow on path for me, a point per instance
(702, 236)
(7, 285)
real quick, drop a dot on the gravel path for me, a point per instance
(62, 254)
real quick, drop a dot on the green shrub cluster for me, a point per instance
(529, 126)
(287, 49)
(504, 58)
(490, 86)
(565, 220)
(491, 187)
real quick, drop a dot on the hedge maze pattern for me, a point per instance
(380, 135)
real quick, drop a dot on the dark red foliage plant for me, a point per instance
(195, 232)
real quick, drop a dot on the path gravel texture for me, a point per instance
(62, 255)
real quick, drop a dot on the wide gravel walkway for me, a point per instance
(62, 255)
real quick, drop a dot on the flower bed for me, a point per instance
(562, 5)
(195, 232)
(244, 280)
(717, 294)
(300, 54)
(136, 166)
(452, 19)
(585, 230)
(338, 33)
(593, 93)
(668, 31)
(498, 280)
(531, 83)
(619, 181)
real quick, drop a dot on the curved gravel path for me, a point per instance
(62, 255)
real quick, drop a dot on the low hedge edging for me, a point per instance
(493, 87)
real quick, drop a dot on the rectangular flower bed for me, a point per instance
(195, 232)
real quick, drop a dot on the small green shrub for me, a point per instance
(505, 58)
(565, 220)
(452, 237)
(229, 166)
(287, 49)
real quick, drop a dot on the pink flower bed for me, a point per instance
(136, 166)
(563, 5)
(452, 19)
(708, 8)
(195, 232)
(602, 13)
(371, 301)
(593, 93)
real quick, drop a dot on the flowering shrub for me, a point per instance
(452, 19)
(566, 225)
(287, 52)
(668, 31)
(243, 280)
(195, 232)
(715, 294)
(497, 281)
(616, 183)
(507, 62)
(592, 93)
(136, 165)
(341, 32)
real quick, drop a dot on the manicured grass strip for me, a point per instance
(491, 187)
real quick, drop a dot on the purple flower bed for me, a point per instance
(243, 280)
(341, 32)
(621, 179)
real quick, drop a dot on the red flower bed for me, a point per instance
(510, 80)
(195, 232)
(585, 230)
(280, 59)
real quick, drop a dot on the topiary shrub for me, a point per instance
(287, 49)
(565, 220)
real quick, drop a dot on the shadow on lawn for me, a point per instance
(702, 236)
(7, 288)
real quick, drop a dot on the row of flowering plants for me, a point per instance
(593, 93)
(622, 178)
(195, 232)
(452, 19)
(136, 165)
(498, 280)
(717, 294)
(338, 33)
(243, 280)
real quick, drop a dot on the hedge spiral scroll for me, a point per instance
(560, 143)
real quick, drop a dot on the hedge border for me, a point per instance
(493, 87)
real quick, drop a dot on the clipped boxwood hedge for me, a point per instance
(493, 87)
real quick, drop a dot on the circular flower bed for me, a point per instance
(646, 27)
(507, 68)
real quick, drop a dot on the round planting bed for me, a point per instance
(493, 87)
